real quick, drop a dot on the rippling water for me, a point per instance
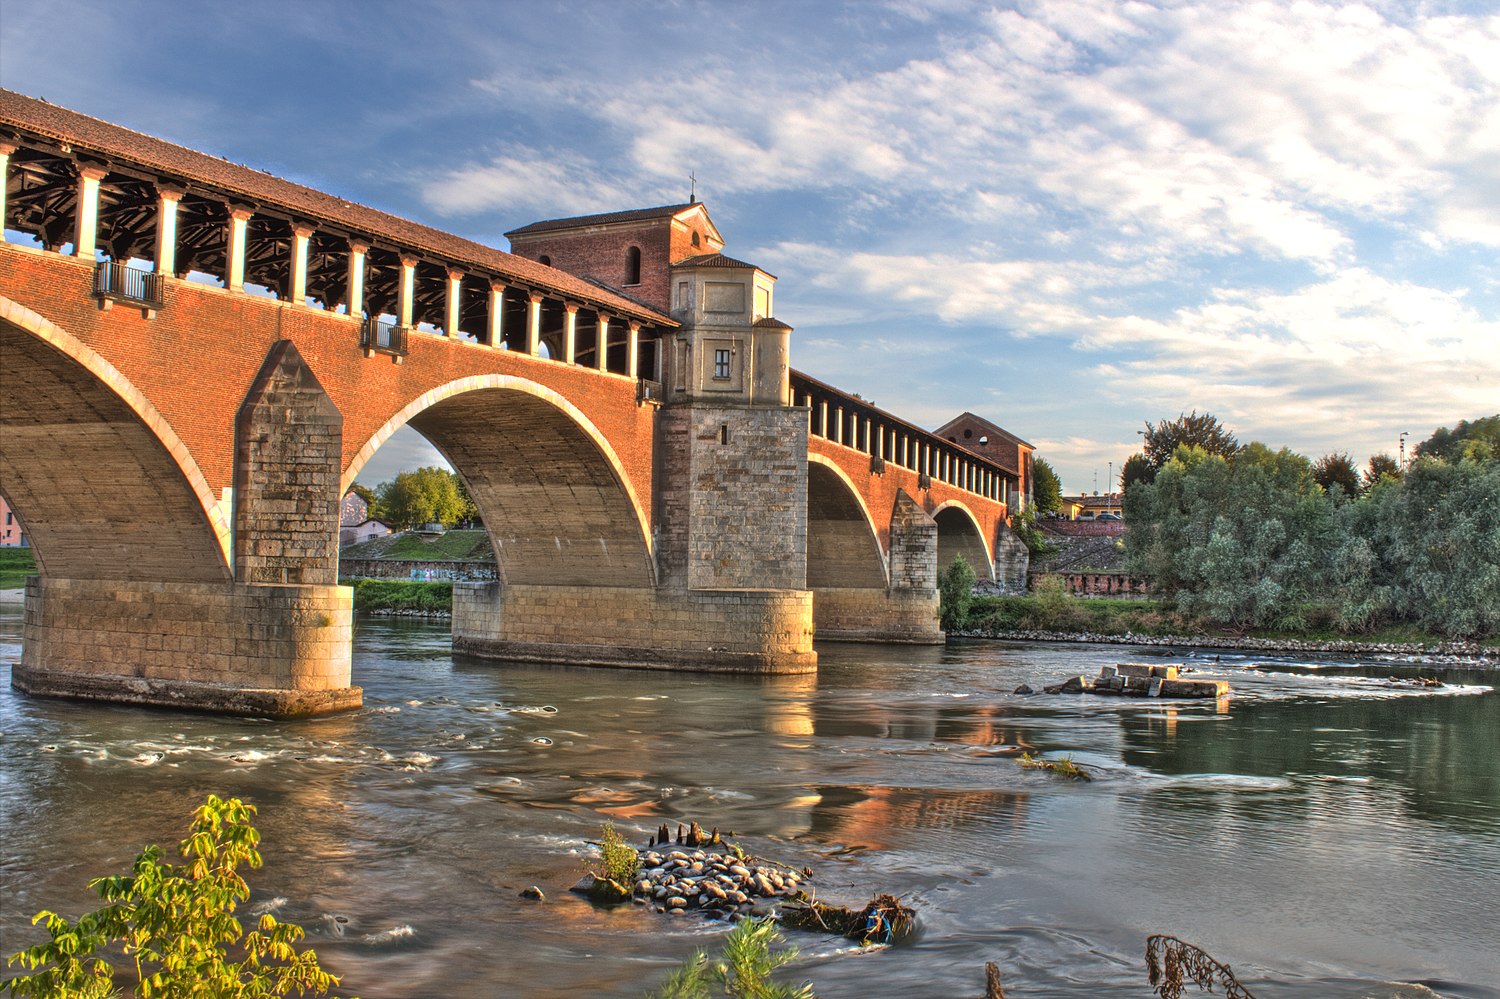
(1327, 833)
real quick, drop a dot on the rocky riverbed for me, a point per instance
(712, 884)
(1464, 655)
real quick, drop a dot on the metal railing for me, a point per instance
(119, 281)
(382, 337)
(649, 391)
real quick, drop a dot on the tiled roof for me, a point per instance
(716, 260)
(606, 218)
(101, 139)
(771, 324)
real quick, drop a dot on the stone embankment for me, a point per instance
(1466, 655)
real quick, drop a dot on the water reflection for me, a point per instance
(1322, 831)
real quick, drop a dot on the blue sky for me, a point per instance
(1068, 216)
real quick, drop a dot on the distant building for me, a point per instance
(355, 522)
(989, 440)
(1086, 507)
(11, 534)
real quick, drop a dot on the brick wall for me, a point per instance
(599, 253)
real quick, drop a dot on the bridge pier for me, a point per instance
(905, 612)
(225, 647)
(741, 631)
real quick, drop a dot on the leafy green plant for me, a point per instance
(176, 924)
(622, 864)
(743, 970)
(955, 593)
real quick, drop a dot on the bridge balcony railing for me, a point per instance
(649, 391)
(117, 281)
(379, 337)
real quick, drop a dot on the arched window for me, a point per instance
(695, 238)
(633, 265)
(544, 260)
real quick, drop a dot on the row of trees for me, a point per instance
(1246, 536)
(428, 495)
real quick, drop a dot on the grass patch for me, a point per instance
(451, 546)
(15, 565)
(400, 595)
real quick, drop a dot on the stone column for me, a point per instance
(355, 294)
(823, 419)
(6, 148)
(534, 323)
(453, 303)
(234, 247)
(497, 314)
(86, 234)
(633, 350)
(570, 332)
(601, 350)
(406, 290)
(297, 293)
(167, 199)
(838, 425)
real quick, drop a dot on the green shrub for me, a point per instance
(399, 594)
(177, 926)
(622, 864)
(955, 593)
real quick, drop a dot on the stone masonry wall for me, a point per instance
(867, 615)
(288, 445)
(742, 631)
(733, 513)
(216, 646)
(914, 537)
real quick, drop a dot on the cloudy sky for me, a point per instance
(1068, 216)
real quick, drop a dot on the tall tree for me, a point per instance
(1193, 429)
(1336, 471)
(1381, 466)
(1478, 440)
(1046, 487)
(1136, 469)
(428, 495)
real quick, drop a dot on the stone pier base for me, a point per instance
(845, 614)
(731, 631)
(224, 647)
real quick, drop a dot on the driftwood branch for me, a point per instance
(1171, 962)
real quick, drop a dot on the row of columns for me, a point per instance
(904, 449)
(85, 246)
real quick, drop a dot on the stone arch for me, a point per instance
(553, 493)
(843, 549)
(107, 488)
(959, 533)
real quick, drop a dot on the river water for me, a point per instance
(1326, 833)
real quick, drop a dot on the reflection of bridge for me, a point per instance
(199, 358)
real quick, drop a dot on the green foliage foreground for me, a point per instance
(401, 595)
(176, 924)
(743, 970)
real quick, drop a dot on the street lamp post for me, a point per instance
(1404, 435)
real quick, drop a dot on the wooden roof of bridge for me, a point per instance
(110, 143)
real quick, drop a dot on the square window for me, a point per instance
(721, 365)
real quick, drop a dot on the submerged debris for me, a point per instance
(885, 920)
(1064, 767)
(1170, 961)
(1140, 680)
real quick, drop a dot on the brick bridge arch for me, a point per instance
(105, 486)
(554, 495)
(959, 533)
(843, 545)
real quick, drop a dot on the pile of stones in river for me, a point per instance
(717, 885)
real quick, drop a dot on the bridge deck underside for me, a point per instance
(101, 496)
(556, 511)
